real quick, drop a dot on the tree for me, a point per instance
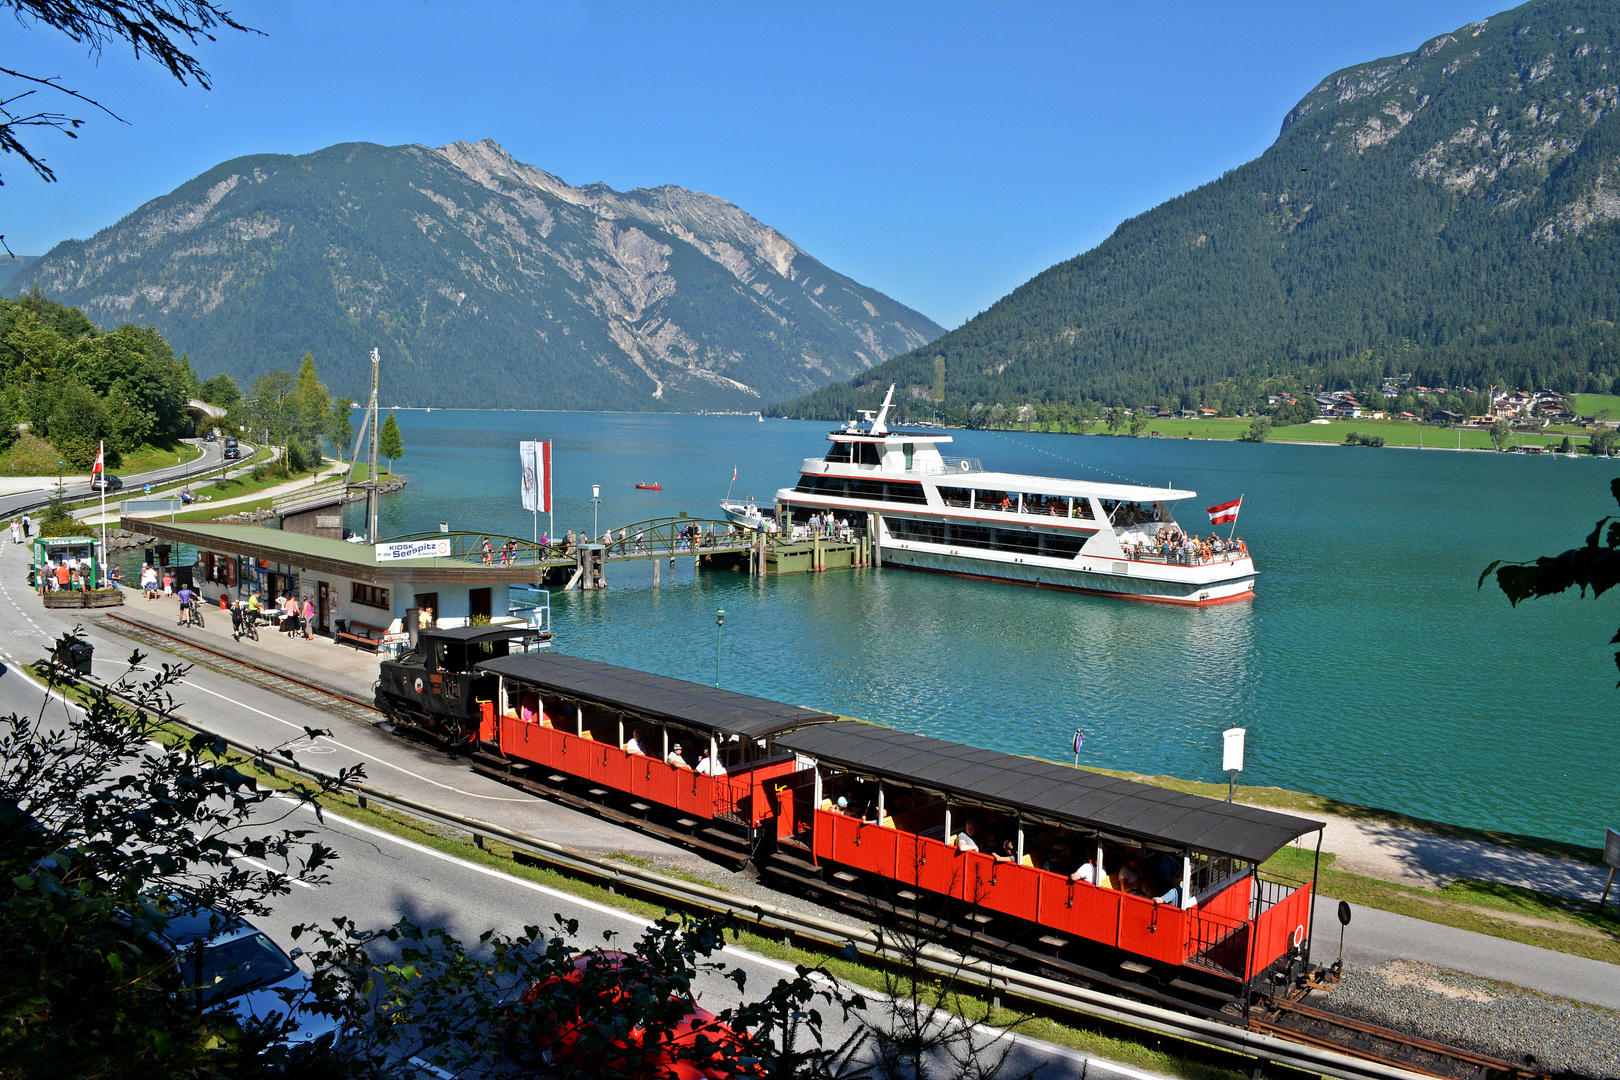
(1566, 447)
(312, 407)
(1602, 442)
(1115, 421)
(105, 841)
(153, 27)
(221, 390)
(1595, 566)
(389, 444)
(272, 408)
(1501, 432)
(340, 426)
(1259, 429)
(1139, 421)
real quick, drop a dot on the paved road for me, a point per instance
(264, 718)
(11, 505)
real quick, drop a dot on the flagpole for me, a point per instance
(101, 460)
(537, 505)
(1233, 531)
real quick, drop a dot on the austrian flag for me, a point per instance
(1220, 515)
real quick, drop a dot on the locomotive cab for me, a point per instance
(437, 688)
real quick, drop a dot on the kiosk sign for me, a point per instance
(414, 549)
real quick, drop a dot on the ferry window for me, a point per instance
(1082, 508)
(839, 453)
(1061, 546)
(866, 489)
(822, 485)
(910, 451)
(1022, 542)
(971, 536)
(905, 492)
(928, 532)
(954, 496)
(870, 454)
(997, 500)
(369, 595)
(1048, 505)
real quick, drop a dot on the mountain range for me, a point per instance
(1449, 214)
(482, 281)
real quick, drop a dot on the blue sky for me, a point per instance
(941, 152)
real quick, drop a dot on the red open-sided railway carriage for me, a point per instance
(1180, 881)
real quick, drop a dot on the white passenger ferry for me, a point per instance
(945, 514)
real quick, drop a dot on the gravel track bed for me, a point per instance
(1483, 1015)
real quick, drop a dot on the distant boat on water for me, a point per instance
(649, 487)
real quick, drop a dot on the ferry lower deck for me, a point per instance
(1125, 578)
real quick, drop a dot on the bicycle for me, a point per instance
(193, 615)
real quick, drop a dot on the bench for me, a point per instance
(361, 635)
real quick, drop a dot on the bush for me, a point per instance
(1356, 438)
(1259, 429)
(276, 470)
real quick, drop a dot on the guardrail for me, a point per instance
(775, 921)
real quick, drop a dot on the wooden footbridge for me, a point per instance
(583, 563)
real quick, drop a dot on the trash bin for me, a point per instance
(74, 654)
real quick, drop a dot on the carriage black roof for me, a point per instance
(1118, 807)
(490, 632)
(656, 697)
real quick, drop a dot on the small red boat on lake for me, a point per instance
(649, 487)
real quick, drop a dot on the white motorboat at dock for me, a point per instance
(932, 512)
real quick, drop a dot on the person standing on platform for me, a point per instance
(309, 618)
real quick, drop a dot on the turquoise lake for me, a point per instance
(1368, 667)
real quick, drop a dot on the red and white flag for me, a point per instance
(734, 474)
(1220, 515)
(101, 460)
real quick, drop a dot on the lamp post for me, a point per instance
(596, 503)
(719, 633)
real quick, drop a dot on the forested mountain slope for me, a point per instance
(1449, 213)
(483, 281)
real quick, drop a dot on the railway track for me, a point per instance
(1318, 1027)
(1286, 1019)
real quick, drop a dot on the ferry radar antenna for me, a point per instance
(878, 427)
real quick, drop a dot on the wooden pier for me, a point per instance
(707, 542)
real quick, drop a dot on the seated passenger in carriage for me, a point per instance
(964, 839)
(675, 757)
(708, 765)
(632, 745)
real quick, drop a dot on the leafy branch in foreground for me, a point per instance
(161, 29)
(106, 834)
(1594, 566)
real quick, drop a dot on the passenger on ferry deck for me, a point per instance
(964, 839)
(633, 745)
(675, 757)
(708, 766)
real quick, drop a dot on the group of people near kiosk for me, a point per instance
(67, 573)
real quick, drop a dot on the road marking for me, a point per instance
(359, 753)
(257, 865)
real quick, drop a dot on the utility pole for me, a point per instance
(371, 497)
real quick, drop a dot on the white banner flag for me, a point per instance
(531, 478)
